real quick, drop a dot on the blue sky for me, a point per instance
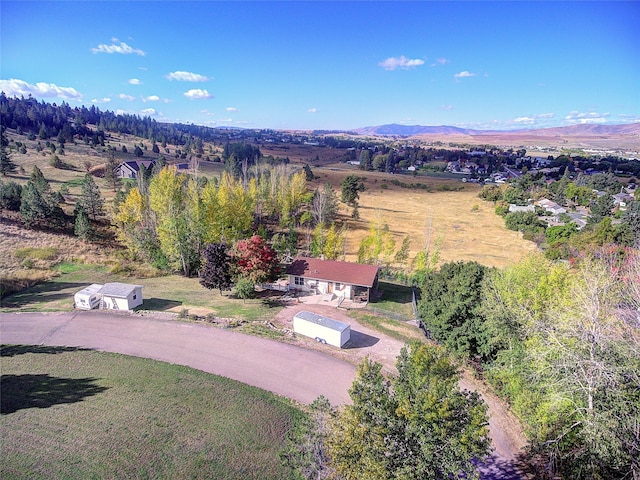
(331, 65)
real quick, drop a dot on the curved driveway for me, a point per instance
(287, 370)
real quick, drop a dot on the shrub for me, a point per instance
(55, 162)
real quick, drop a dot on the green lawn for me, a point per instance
(171, 292)
(78, 414)
(395, 298)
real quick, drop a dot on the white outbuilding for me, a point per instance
(89, 297)
(120, 296)
(322, 329)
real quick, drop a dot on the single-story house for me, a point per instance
(521, 208)
(622, 199)
(322, 329)
(131, 169)
(120, 296)
(353, 281)
(551, 206)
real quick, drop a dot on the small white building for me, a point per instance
(120, 296)
(89, 297)
(322, 329)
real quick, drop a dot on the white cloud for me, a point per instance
(134, 81)
(392, 63)
(446, 107)
(464, 74)
(15, 87)
(151, 98)
(439, 61)
(120, 111)
(124, 96)
(545, 115)
(121, 48)
(232, 109)
(312, 110)
(197, 94)
(524, 120)
(101, 100)
(626, 118)
(151, 112)
(187, 77)
(586, 117)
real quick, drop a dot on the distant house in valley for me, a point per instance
(131, 169)
(622, 199)
(521, 208)
(353, 281)
(552, 207)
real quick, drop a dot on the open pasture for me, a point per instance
(447, 213)
(77, 414)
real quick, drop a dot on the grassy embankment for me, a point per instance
(80, 414)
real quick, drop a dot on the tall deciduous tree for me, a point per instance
(168, 200)
(450, 306)
(216, 272)
(325, 205)
(419, 425)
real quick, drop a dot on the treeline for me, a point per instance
(561, 343)
(48, 120)
(168, 219)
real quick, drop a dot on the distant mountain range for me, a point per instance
(573, 130)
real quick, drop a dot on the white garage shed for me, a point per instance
(323, 329)
(120, 296)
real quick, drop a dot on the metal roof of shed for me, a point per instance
(117, 289)
(323, 321)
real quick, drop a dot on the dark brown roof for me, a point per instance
(342, 272)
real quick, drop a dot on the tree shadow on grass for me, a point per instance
(159, 304)
(13, 350)
(43, 391)
(41, 292)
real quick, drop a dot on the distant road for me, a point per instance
(287, 370)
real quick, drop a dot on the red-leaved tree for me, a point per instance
(255, 260)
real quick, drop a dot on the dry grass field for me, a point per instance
(464, 226)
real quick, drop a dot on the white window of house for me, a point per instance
(338, 286)
(298, 280)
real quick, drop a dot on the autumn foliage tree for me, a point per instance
(255, 260)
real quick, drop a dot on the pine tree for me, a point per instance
(110, 172)
(34, 208)
(6, 164)
(91, 200)
(82, 227)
